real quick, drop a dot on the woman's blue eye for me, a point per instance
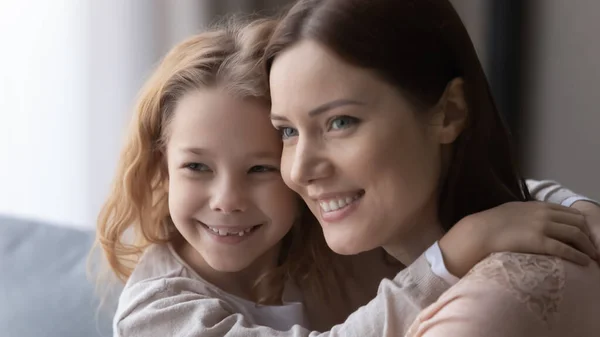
(287, 132)
(342, 122)
(262, 169)
(198, 167)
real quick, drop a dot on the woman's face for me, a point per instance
(366, 163)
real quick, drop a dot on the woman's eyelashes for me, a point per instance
(287, 132)
(341, 123)
(336, 123)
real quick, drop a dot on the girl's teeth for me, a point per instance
(222, 232)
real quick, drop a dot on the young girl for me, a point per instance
(210, 240)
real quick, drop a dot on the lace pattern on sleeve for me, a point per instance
(535, 280)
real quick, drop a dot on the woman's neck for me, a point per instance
(240, 283)
(409, 244)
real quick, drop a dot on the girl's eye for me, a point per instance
(287, 132)
(262, 169)
(197, 167)
(342, 122)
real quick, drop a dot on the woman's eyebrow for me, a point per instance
(323, 108)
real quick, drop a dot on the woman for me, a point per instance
(391, 136)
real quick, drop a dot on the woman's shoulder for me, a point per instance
(545, 284)
(512, 294)
(555, 291)
(535, 281)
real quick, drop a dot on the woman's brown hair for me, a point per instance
(419, 46)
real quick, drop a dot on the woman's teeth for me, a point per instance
(224, 232)
(335, 204)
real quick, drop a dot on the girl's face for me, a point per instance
(366, 163)
(226, 195)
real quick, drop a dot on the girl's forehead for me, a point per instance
(223, 124)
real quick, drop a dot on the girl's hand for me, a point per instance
(523, 227)
(591, 212)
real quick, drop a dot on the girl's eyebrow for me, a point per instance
(259, 154)
(196, 150)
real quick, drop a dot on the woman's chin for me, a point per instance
(345, 245)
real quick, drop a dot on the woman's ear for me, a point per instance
(454, 113)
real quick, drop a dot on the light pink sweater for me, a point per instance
(517, 295)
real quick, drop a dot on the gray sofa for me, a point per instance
(44, 290)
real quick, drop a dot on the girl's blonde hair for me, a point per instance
(136, 213)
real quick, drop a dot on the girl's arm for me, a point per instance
(170, 307)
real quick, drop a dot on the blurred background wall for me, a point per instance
(71, 69)
(562, 135)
